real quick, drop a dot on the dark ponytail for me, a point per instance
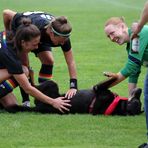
(25, 21)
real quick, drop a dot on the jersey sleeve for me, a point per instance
(135, 59)
(11, 62)
(40, 19)
(133, 78)
(45, 46)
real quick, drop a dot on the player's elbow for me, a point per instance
(6, 12)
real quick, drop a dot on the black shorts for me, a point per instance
(42, 47)
(9, 61)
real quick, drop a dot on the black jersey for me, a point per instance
(8, 57)
(41, 20)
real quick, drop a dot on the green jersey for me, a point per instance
(136, 59)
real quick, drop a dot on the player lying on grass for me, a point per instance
(96, 100)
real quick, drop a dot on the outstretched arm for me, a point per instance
(7, 18)
(59, 103)
(143, 20)
(72, 72)
(119, 77)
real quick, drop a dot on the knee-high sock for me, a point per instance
(7, 86)
(45, 73)
(25, 96)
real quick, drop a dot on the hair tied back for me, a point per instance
(25, 22)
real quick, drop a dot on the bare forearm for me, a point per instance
(6, 22)
(31, 90)
(7, 18)
(38, 95)
(57, 103)
(144, 16)
(131, 86)
(72, 70)
(119, 77)
(71, 64)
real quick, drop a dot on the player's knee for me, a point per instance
(51, 61)
(48, 61)
(46, 58)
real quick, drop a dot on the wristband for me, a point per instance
(73, 83)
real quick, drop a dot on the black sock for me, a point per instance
(45, 73)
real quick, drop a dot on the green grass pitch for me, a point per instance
(94, 54)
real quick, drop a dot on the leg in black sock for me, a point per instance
(45, 73)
